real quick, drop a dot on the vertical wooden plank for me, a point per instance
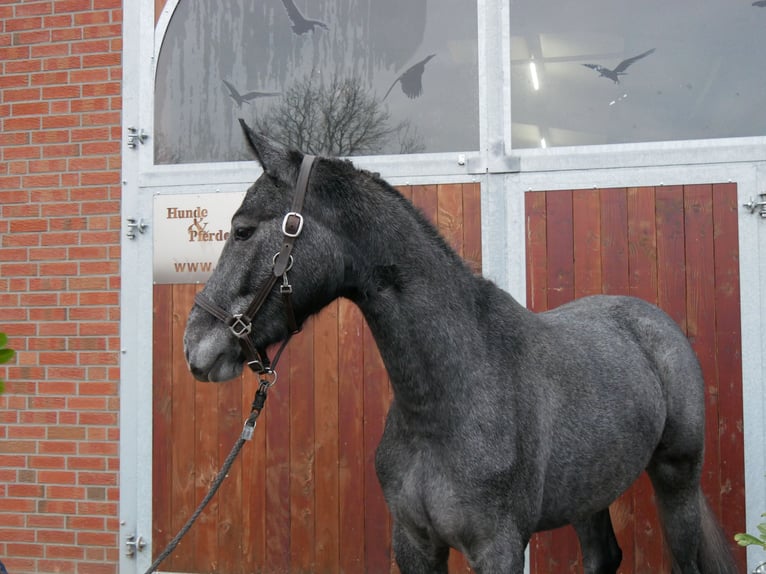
(671, 260)
(615, 275)
(536, 251)
(351, 477)
(701, 320)
(326, 433)
(615, 280)
(642, 241)
(560, 247)
(537, 300)
(183, 432)
(426, 199)
(253, 472)
(642, 266)
(450, 215)
(302, 454)
(376, 401)
(472, 226)
(229, 523)
(564, 547)
(729, 353)
(162, 439)
(586, 218)
(278, 477)
(206, 415)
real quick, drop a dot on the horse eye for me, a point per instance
(243, 233)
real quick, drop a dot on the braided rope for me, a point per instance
(247, 433)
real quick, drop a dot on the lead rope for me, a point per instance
(267, 380)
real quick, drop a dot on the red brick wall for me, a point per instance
(60, 110)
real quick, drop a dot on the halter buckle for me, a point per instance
(239, 327)
(291, 227)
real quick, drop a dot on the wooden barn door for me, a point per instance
(303, 496)
(676, 246)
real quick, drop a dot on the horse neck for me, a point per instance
(419, 300)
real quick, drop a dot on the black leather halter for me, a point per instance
(241, 324)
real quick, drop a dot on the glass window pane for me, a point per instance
(614, 71)
(344, 77)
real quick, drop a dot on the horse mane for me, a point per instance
(346, 182)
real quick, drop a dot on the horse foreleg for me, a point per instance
(415, 555)
(600, 551)
(504, 553)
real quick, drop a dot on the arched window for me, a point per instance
(350, 77)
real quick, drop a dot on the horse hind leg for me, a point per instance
(600, 550)
(691, 532)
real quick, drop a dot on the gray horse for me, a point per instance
(504, 422)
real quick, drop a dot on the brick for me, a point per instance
(90, 46)
(17, 535)
(25, 152)
(96, 538)
(64, 63)
(49, 78)
(23, 123)
(16, 24)
(33, 8)
(56, 537)
(19, 549)
(60, 6)
(61, 150)
(25, 491)
(66, 34)
(64, 91)
(29, 225)
(58, 552)
(31, 37)
(92, 17)
(65, 492)
(23, 66)
(58, 21)
(49, 50)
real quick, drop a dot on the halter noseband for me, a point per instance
(241, 324)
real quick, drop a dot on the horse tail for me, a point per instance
(714, 554)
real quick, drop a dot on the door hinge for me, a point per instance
(754, 205)
(136, 136)
(133, 545)
(135, 225)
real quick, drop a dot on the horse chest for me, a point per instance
(429, 493)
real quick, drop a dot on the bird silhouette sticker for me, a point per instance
(246, 97)
(300, 24)
(614, 74)
(411, 80)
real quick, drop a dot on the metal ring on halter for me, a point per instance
(268, 378)
(239, 327)
(289, 262)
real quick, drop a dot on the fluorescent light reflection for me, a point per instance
(543, 143)
(533, 73)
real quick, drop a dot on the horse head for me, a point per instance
(315, 272)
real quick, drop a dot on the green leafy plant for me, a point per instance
(5, 356)
(744, 539)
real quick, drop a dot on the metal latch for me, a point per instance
(133, 544)
(135, 225)
(136, 137)
(754, 205)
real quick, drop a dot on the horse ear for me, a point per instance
(275, 159)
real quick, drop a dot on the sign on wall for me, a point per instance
(189, 233)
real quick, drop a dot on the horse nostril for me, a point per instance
(197, 372)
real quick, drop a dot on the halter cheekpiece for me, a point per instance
(241, 324)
